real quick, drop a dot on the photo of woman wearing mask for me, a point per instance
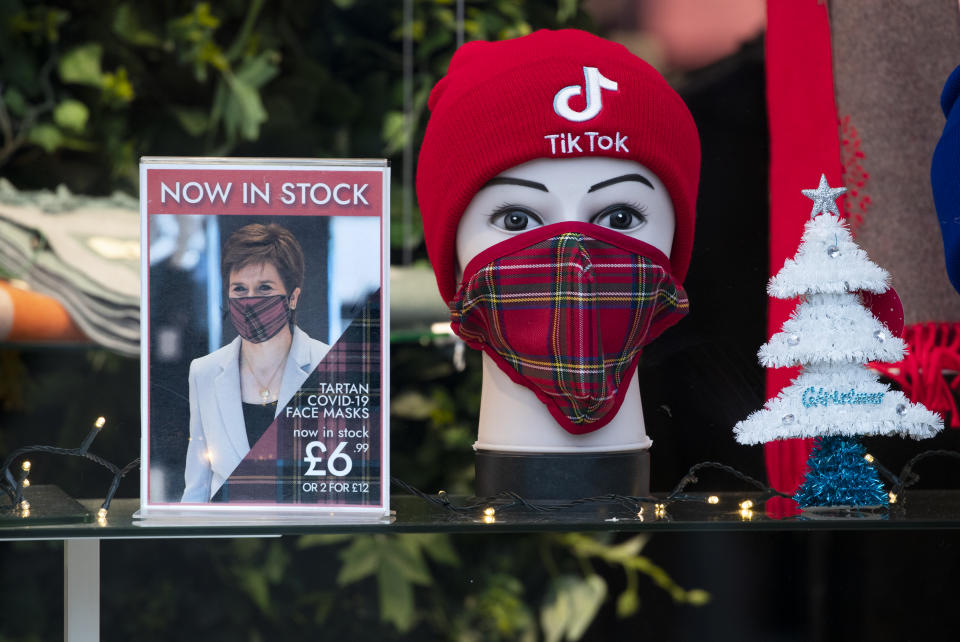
(238, 390)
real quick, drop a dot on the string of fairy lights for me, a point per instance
(484, 509)
(635, 506)
(14, 484)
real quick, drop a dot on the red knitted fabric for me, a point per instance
(501, 104)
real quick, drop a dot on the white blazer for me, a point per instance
(218, 434)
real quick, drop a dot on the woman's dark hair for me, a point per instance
(257, 243)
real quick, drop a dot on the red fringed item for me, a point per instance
(928, 374)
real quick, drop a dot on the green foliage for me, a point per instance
(398, 562)
(81, 65)
(223, 77)
(434, 406)
(413, 595)
(571, 605)
(627, 556)
(71, 115)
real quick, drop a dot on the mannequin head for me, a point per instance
(557, 182)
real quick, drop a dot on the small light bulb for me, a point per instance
(746, 514)
(746, 504)
(869, 458)
(659, 510)
(441, 492)
(713, 499)
(102, 513)
(25, 465)
(26, 483)
(24, 505)
(25, 513)
(893, 497)
(489, 519)
(100, 421)
(489, 511)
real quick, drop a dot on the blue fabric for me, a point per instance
(945, 177)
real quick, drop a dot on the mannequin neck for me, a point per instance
(512, 419)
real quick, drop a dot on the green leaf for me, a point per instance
(413, 405)
(117, 88)
(195, 122)
(360, 559)
(439, 548)
(572, 603)
(566, 9)
(395, 132)
(15, 101)
(697, 597)
(244, 111)
(276, 563)
(627, 603)
(259, 70)
(52, 21)
(46, 136)
(254, 584)
(126, 24)
(396, 599)
(71, 115)
(625, 550)
(662, 579)
(317, 539)
(403, 555)
(243, 40)
(81, 65)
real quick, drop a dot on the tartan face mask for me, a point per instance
(258, 318)
(565, 310)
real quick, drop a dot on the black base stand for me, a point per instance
(563, 476)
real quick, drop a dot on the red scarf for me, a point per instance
(803, 144)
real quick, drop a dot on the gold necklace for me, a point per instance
(265, 389)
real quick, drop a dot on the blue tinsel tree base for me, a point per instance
(838, 475)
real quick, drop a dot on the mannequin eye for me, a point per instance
(515, 219)
(621, 217)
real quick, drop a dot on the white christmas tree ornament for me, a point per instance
(833, 335)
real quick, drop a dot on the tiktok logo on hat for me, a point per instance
(594, 81)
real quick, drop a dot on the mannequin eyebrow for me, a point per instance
(506, 180)
(620, 179)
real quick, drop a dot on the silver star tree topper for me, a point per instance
(824, 197)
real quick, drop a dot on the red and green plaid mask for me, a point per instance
(565, 310)
(258, 318)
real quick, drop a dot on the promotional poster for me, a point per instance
(264, 329)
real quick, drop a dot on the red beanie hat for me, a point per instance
(504, 103)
